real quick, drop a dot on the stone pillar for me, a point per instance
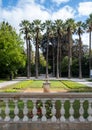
(46, 87)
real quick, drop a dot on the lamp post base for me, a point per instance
(46, 87)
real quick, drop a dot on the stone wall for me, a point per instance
(46, 126)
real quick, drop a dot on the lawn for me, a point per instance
(33, 85)
(76, 87)
(55, 85)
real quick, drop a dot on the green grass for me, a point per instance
(36, 84)
(72, 84)
(32, 84)
(76, 87)
(56, 85)
(17, 87)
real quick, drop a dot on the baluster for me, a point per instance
(7, 110)
(53, 119)
(44, 112)
(90, 111)
(34, 111)
(62, 111)
(25, 111)
(71, 111)
(16, 111)
(81, 111)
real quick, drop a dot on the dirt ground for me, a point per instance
(41, 90)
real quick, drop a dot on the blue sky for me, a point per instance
(14, 11)
(77, 9)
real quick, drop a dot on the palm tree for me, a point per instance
(80, 52)
(89, 25)
(69, 52)
(36, 27)
(58, 24)
(80, 31)
(53, 42)
(47, 25)
(25, 29)
(71, 26)
(29, 52)
(53, 46)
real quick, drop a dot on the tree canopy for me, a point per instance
(12, 55)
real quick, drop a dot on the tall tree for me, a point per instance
(89, 25)
(71, 26)
(53, 41)
(47, 25)
(29, 53)
(25, 29)
(80, 31)
(12, 56)
(37, 28)
(70, 51)
(58, 24)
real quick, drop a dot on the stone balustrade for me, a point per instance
(46, 107)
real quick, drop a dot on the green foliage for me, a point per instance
(12, 55)
(64, 66)
(1, 80)
(42, 66)
(75, 67)
(85, 65)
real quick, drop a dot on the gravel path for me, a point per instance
(6, 83)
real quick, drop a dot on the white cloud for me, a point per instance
(30, 10)
(85, 8)
(24, 10)
(60, 1)
(64, 13)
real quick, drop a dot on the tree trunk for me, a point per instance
(90, 52)
(27, 43)
(58, 57)
(80, 53)
(53, 62)
(69, 52)
(38, 60)
(47, 58)
(60, 60)
(11, 75)
(36, 56)
(29, 58)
